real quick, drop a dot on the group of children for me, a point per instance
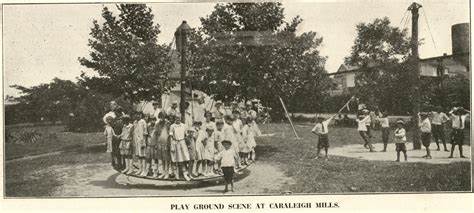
(430, 124)
(164, 147)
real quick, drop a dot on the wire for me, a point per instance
(403, 18)
(429, 30)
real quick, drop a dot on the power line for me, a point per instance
(429, 30)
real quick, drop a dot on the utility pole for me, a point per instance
(414, 7)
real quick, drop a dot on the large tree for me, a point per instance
(249, 50)
(126, 56)
(380, 51)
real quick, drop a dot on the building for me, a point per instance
(454, 64)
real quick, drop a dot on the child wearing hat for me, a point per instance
(425, 128)
(125, 143)
(362, 128)
(458, 118)
(228, 159)
(321, 129)
(179, 150)
(438, 118)
(400, 140)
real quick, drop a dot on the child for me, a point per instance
(163, 145)
(458, 118)
(139, 137)
(204, 140)
(178, 148)
(321, 129)
(228, 159)
(208, 154)
(228, 131)
(237, 126)
(125, 143)
(109, 136)
(218, 138)
(384, 123)
(400, 140)
(425, 128)
(362, 128)
(248, 138)
(151, 148)
(438, 118)
(190, 139)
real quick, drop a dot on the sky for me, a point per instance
(41, 42)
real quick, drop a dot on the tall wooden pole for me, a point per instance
(181, 43)
(414, 7)
(289, 118)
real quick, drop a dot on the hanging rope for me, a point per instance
(403, 18)
(429, 30)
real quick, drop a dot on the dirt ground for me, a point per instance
(439, 157)
(99, 180)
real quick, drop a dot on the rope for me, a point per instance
(403, 18)
(429, 30)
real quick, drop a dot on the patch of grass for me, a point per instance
(341, 174)
(53, 138)
(38, 178)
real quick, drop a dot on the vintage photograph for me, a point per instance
(211, 98)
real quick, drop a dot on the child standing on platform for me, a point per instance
(384, 123)
(228, 159)
(178, 148)
(125, 144)
(151, 150)
(139, 136)
(163, 144)
(400, 140)
(109, 136)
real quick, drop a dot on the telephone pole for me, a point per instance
(414, 7)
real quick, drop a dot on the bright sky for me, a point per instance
(44, 41)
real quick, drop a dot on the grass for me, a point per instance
(38, 177)
(53, 138)
(341, 174)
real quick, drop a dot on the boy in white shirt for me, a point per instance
(321, 130)
(438, 118)
(362, 128)
(229, 160)
(458, 117)
(425, 128)
(400, 140)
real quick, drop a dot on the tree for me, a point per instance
(381, 52)
(126, 56)
(248, 50)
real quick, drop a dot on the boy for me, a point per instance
(321, 130)
(109, 136)
(362, 128)
(425, 128)
(228, 159)
(384, 123)
(400, 140)
(458, 117)
(438, 118)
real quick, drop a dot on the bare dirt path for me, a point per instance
(99, 180)
(439, 157)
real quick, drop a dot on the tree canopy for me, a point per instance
(126, 56)
(249, 50)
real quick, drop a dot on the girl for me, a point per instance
(248, 139)
(237, 126)
(109, 136)
(151, 148)
(163, 145)
(178, 148)
(218, 138)
(139, 137)
(208, 154)
(190, 142)
(203, 141)
(125, 143)
(400, 140)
